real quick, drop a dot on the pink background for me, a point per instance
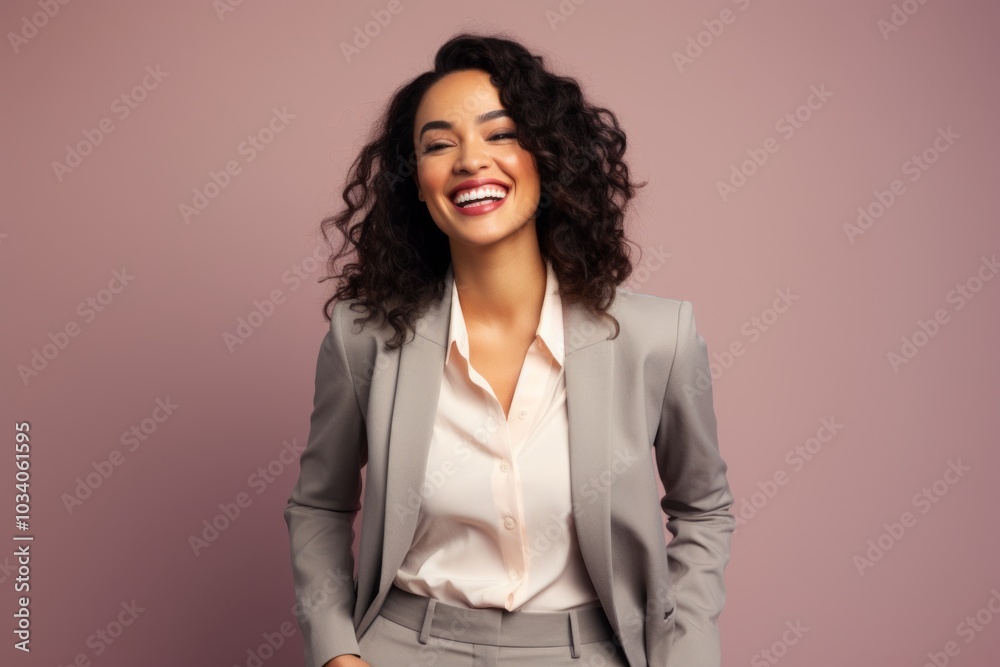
(162, 336)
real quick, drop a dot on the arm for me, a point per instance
(323, 505)
(697, 499)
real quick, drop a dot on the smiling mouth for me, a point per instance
(480, 196)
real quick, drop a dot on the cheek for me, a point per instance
(428, 178)
(529, 177)
(521, 165)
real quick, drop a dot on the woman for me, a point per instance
(512, 404)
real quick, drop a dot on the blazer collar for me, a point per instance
(588, 361)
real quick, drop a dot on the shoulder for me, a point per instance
(650, 315)
(359, 340)
(656, 327)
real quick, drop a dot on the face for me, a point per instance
(467, 149)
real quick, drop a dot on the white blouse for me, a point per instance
(495, 526)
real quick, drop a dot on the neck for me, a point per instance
(500, 289)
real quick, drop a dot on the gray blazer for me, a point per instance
(644, 396)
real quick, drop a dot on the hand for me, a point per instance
(347, 660)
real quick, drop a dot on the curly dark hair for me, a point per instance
(402, 256)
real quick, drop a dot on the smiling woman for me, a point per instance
(512, 515)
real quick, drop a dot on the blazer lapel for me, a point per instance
(588, 364)
(418, 385)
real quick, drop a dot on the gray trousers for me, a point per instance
(413, 631)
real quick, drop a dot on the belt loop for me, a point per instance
(574, 631)
(425, 629)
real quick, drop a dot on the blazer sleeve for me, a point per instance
(697, 499)
(324, 504)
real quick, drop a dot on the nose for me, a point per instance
(472, 157)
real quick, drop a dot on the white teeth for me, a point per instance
(481, 193)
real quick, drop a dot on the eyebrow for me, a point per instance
(482, 118)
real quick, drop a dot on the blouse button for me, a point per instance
(504, 467)
(508, 523)
(522, 414)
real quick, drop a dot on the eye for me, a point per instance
(499, 135)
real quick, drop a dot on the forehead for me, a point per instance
(458, 97)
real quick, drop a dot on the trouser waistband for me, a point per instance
(494, 626)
